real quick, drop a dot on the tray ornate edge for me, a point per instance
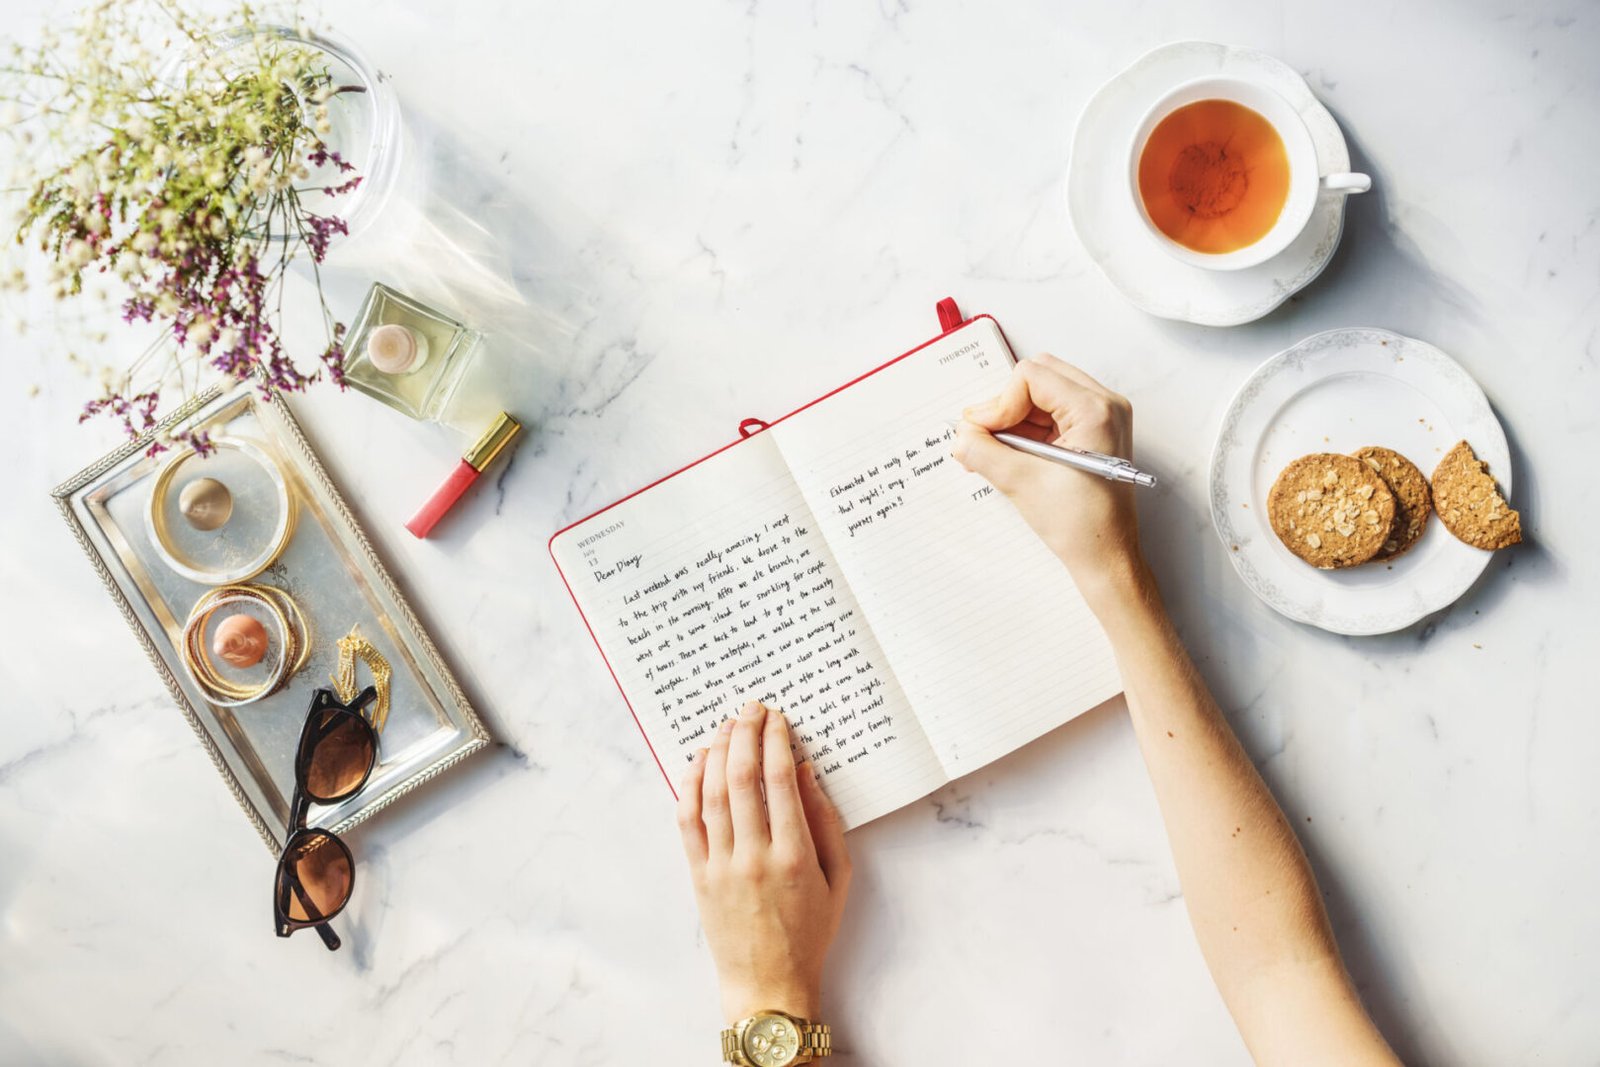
(275, 403)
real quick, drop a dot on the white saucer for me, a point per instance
(1336, 392)
(1107, 219)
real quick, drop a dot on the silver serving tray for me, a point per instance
(332, 572)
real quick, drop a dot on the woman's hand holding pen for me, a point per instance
(1087, 521)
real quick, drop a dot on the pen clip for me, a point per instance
(1115, 461)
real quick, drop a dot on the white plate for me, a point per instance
(1336, 392)
(1107, 220)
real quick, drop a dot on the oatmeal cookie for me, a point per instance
(1413, 500)
(1331, 510)
(1468, 503)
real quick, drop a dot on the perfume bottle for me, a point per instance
(406, 354)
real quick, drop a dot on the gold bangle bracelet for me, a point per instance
(219, 690)
(302, 631)
(161, 536)
(294, 645)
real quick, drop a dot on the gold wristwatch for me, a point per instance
(775, 1039)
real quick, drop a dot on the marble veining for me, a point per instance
(669, 217)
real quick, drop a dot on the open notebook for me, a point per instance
(839, 565)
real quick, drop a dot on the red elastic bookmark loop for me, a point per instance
(949, 314)
(750, 427)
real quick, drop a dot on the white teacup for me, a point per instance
(1304, 182)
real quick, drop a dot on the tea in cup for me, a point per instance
(1224, 173)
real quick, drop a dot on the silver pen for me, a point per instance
(1111, 468)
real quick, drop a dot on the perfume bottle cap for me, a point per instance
(394, 349)
(494, 440)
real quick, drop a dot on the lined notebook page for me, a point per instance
(984, 629)
(716, 587)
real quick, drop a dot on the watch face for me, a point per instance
(771, 1041)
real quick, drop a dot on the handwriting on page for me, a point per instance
(759, 614)
(879, 490)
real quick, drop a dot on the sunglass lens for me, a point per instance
(321, 867)
(341, 755)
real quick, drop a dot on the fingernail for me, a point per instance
(700, 754)
(752, 709)
(726, 727)
(808, 772)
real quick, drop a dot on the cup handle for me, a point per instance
(1346, 183)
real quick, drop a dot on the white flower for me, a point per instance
(167, 219)
(162, 156)
(254, 154)
(79, 253)
(84, 180)
(95, 223)
(216, 178)
(136, 127)
(127, 267)
(228, 338)
(144, 241)
(201, 331)
(11, 114)
(166, 304)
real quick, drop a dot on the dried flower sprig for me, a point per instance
(190, 182)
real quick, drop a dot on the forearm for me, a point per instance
(1250, 892)
(1252, 899)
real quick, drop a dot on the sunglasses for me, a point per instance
(338, 748)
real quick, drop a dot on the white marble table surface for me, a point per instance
(718, 210)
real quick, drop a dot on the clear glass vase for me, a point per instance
(366, 131)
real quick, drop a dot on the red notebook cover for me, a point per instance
(950, 319)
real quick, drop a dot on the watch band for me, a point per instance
(816, 1041)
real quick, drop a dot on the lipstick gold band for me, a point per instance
(494, 440)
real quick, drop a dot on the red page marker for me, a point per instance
(473, 464)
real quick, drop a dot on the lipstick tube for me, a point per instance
(472, 465)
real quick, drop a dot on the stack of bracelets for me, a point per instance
(293, 646)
